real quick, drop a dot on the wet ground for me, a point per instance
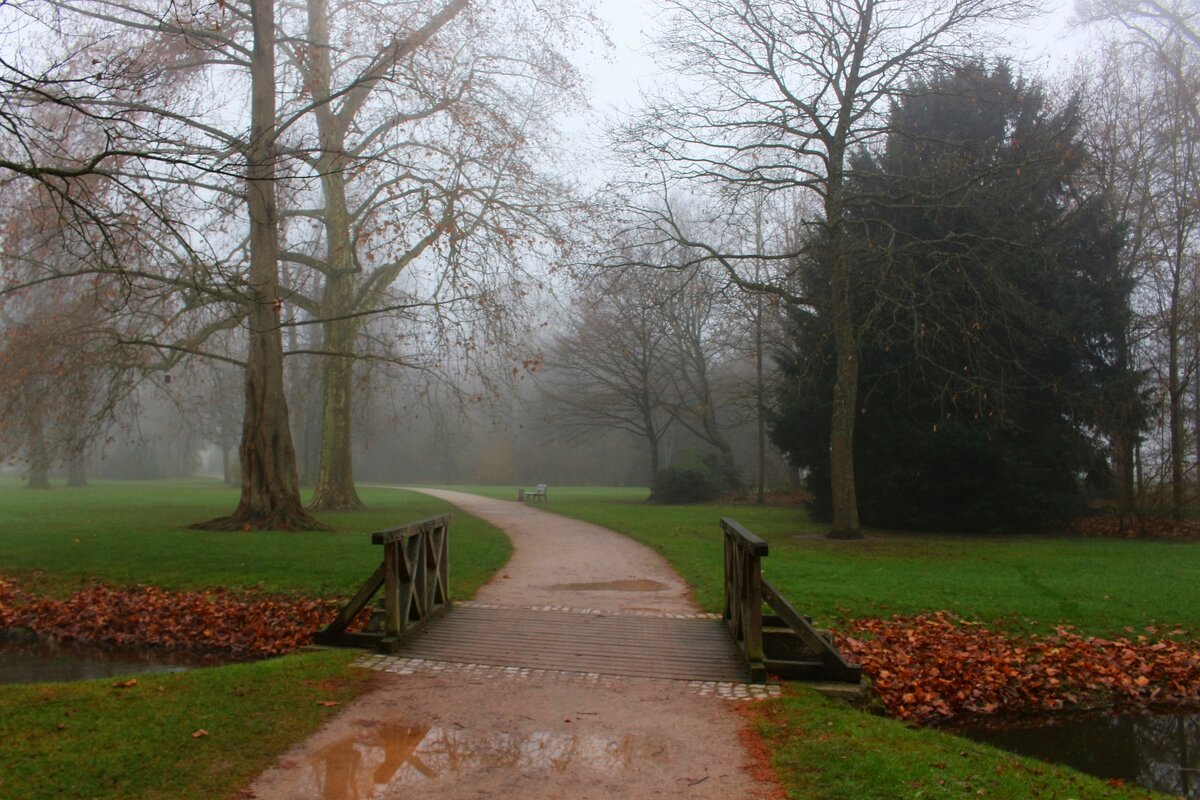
(468, 731)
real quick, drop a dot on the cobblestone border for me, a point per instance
(595, 612)
(401, 665)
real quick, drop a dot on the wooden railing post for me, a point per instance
(789, 646)
(743, 593)
(391, 590)
(414, 577)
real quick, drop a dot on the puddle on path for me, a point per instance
(630, 585)
(388, 756)
(1160, 752)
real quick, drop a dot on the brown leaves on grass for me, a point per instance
(215, 621)
(1110, 527)
(935, 666)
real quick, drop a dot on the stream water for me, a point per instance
(1160, 752)
(49, 661)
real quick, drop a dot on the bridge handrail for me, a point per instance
(743, 592)
(414, 576)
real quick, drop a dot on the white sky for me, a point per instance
(619, 75)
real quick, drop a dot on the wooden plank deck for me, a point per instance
(610, 644)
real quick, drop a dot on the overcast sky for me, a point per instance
(619, 75)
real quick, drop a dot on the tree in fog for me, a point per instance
(693, 311)
(612, 366)
(145, 98)
(1147, 127)
(233, 164)
(61, 379)
(430, 190)
(1120, 130)
(993, 279)
(341, 82)
(774, 98)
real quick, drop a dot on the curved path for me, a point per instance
(452, 732)
(563, 562)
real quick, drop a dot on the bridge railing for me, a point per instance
(414, 576)
(784, 643)
(743, 593)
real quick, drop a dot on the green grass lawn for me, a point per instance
(135, 532)
(1101, 586)
(93, 740)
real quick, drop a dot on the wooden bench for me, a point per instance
(535, 494)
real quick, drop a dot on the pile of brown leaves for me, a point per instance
(935, 666)
(213, 621)
(1111, 527)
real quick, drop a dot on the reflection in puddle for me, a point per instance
(1156, 752)
(387, 756)
(631, 585)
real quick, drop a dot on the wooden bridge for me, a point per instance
(742, 646)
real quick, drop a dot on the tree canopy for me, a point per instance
(989, 281)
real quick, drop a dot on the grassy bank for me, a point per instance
(95, 740)
(824, 749)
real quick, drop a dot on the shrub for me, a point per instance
(683, 485)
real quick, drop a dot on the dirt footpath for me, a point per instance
(470, 731)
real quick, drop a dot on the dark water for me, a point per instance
(45, 662)
(1160, 752)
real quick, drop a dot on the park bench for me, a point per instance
(535, 494)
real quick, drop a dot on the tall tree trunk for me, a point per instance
(760, 400)
(1175, 390)
(270, 487)
(841, 439)
(335, 476)
(1125, 433)
(39, 458)
(845, 344)
(652, 436)
(77, 469)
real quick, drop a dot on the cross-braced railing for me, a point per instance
(743, 593)
(784, 643)
(414, 576)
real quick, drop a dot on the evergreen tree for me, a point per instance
(992, 295)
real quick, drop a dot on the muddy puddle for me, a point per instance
(1160, 752)
(384, 757)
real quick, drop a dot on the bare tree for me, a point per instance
(1149, 135)
(692, 310)
(612, 367)
(426, 161)
(337, 112)
(774, 98)
(157, 136)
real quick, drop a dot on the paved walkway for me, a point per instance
(457, 731)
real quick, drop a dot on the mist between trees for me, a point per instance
(309, 244)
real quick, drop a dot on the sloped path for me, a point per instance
(435, 729)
